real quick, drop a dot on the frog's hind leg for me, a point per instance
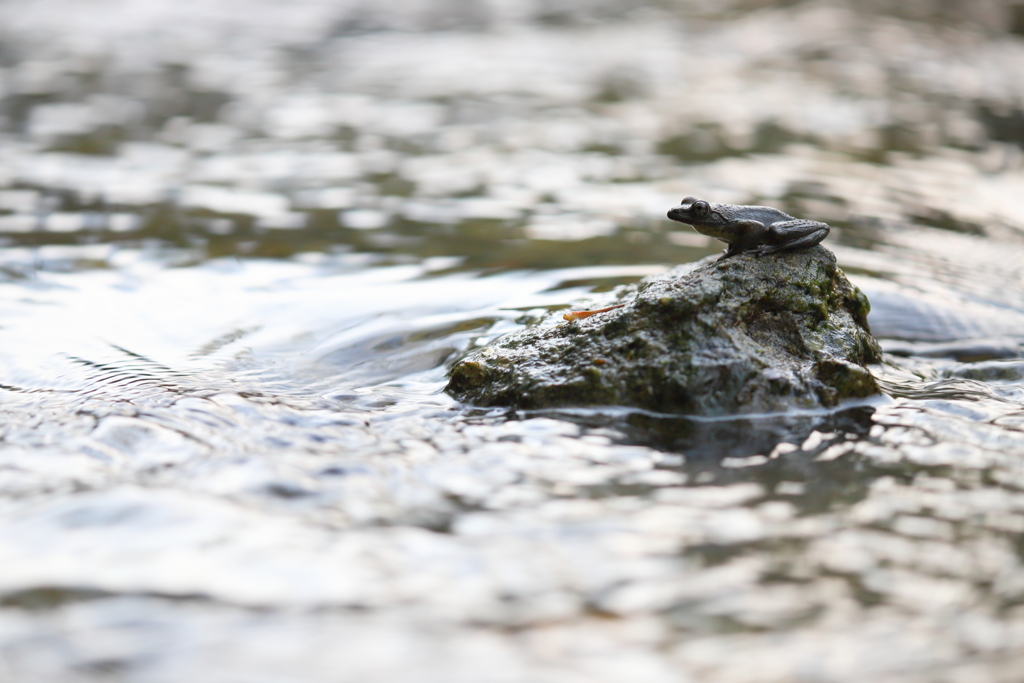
(793, 235)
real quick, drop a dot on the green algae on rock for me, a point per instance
(744, 335)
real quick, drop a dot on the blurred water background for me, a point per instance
(242, 241)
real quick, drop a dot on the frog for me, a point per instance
(757, 230)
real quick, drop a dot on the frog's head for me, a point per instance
(695, 212)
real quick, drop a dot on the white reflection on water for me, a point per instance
(306, 329)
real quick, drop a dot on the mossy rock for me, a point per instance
(744, 335)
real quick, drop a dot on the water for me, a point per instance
(241, 243)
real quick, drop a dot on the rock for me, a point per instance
(744, 335)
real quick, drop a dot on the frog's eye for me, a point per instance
(700, 209)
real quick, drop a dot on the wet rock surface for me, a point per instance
(743, 335)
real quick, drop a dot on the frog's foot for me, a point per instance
(805, 242)
(769, 249)
(731, 251)
(580, 315)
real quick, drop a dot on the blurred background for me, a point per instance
(507, 134)
(241, 242)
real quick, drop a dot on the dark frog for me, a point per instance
(756, 229)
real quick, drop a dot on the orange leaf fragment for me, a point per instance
(580, 315)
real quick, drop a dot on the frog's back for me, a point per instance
(763, 214)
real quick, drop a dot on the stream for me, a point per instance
(242, 242)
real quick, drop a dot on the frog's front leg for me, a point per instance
(792, 235)
(742, 237)
(730, 251)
